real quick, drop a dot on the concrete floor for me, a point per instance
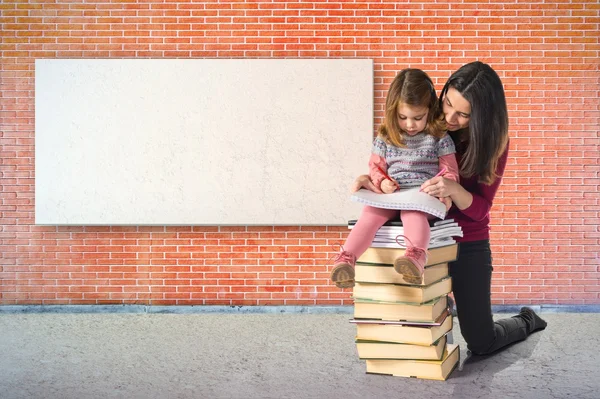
(268, 356)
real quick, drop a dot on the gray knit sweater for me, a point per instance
(410, 166)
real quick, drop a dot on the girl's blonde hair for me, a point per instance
(412, 87)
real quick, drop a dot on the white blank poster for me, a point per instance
(200, 141)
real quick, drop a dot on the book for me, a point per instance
(386, 256)
(394, 350)
(396, 311)
(403, 334)
(442, 231)
(437, 322)
(403, 199)
(398, 223)
(438, 234)
(391, 234)
(416, 294)
(388, 243)
(372, 273)
(446, 227)
(428, 369)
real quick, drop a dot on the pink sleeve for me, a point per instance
(376, 176)
(483, 199)
(449, 162)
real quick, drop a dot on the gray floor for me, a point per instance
(268, 356)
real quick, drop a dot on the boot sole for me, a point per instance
(409, 271)
(343, 276)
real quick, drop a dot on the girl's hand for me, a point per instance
(364, 181)
(439, 187)
(387, 186)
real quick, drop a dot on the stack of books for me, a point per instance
(402, 328)
(442, 234)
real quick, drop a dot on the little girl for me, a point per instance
(412, 146)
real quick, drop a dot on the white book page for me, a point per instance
(407, 199)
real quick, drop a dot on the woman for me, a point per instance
(475, 110)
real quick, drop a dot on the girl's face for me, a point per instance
(412, 120)
(457, 110)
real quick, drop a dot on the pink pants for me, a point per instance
(416, 228)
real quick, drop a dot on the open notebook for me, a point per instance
(406, 199)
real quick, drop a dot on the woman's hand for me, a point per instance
(440, 187)
(447, 201)
(388, 187)
(364, 181)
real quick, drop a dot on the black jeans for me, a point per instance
(471, 283)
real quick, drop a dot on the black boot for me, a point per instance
(533, 321)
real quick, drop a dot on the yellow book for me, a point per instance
(417, 294)
(386, 256)
(427, 369)
(403, 334)
(398, 311)
(372, 273)
(391, 350)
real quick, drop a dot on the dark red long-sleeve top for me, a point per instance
(475, 220)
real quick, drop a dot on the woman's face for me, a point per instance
(457, 110)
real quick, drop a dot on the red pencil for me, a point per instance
(388, 177)
(441, 172)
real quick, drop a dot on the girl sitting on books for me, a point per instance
(412, 147)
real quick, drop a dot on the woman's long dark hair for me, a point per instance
(487, 134)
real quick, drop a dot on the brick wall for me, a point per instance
(545, 219)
